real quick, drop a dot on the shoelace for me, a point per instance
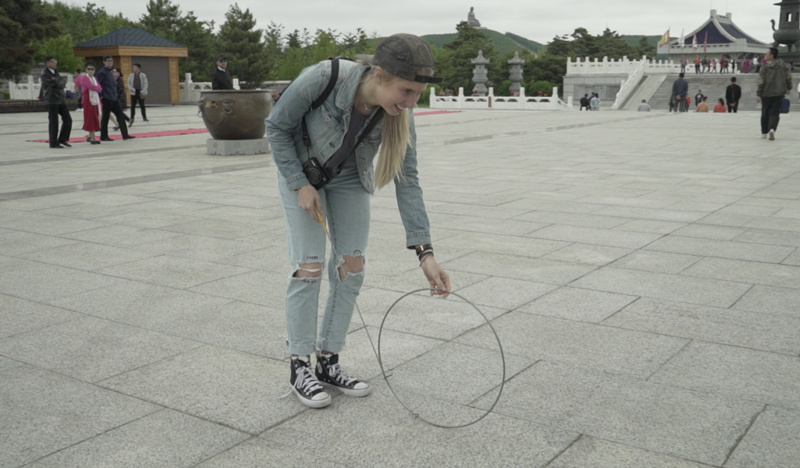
(340, 375)
(306, 381)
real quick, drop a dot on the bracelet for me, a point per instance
(423, 251)
(425, 255)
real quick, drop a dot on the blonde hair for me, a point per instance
(395, 138)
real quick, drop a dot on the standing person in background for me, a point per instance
(584, 102)
(594, 102)
(137, 85)
(774, 81)
(90, 96)
(55, 97)
(680, 90)
(78, 90)
(110, 102)
(732, 94)
(221, 79)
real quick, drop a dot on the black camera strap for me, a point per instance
(322, 98)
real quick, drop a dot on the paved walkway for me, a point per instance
(641, 270)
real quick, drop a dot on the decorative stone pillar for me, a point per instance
(515, 74)
(479, 74)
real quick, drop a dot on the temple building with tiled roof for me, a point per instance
(718, 36)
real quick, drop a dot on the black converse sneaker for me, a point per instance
(331, 374)
(306, 386)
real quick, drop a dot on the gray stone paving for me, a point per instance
(641, 271)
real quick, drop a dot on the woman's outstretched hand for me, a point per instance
(437, 278)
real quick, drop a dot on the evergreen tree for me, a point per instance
(245, 49)
(86, 23)
(454, 63)
(21, 22)
(165, 19)
(162, 19)
(199, 38)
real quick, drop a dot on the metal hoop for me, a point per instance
(386, 378)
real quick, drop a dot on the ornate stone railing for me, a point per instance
(623, 66)
(629, 86)
(490, 101)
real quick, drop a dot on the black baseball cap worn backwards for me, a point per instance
(404, 55)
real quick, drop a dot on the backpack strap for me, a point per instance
(321, 99)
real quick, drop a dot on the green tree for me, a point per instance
(21, 22)
(455, 59)
(244, 46)
(199, 38)
(581, 44)
(645, 48)
(85, 23)
(274, 48)
(61, 48)
(163, 19)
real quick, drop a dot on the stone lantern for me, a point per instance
(480, 75)
(515, 73)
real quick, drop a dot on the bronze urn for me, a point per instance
(235, 114)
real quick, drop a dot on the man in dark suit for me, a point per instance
(56, 99)
(221, 79)
(732, 94)
(105, 77)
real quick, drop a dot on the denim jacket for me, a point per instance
(327, 126)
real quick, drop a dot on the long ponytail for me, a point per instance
(395, 138)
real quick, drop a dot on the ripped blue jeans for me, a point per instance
(346, 207)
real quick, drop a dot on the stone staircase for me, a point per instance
(713, 86)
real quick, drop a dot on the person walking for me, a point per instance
(55, 97)
(733, 93)
(109, 100)
(90, 98)
(137, 85)
(774, 82)
(341, 142)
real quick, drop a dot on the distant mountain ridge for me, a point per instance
(504, 43)
(510, 42)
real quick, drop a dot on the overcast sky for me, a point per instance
(534, 19)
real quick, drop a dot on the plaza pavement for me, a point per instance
(641, 271)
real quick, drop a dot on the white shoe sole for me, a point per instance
(313, 403)
(771, 134)
(349, 392)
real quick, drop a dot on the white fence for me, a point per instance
(189, 90)
(29, 89)
(622, 66)
(521, 102)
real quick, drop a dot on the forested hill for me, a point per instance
(504, 43)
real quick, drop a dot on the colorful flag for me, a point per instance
(694, 42)
(664, 39)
